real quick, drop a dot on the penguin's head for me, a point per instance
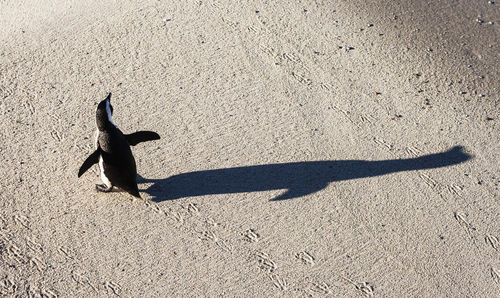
(103, 114)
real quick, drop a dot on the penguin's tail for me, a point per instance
(135, 193)
(132, 189)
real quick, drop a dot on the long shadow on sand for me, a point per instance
(299, 178)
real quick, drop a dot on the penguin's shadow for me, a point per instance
(298, 178)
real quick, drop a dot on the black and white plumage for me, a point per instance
(113, 153)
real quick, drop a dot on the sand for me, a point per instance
(306, 149)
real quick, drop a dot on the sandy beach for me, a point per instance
(315, 149)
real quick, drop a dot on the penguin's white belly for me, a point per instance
(96, 135)
(103, 176)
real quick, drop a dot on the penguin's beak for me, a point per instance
(109, 97)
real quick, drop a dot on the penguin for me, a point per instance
(113, 154)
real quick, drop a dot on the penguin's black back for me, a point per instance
(118, 162)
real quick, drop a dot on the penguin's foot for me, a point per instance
(103, 187)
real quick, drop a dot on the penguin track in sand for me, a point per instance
(22, 220)
(492, 241)
(250, 235)
(113, 287)
(496, 275)
(319, 288)
(278, 282)
(305, 258)
(264, 262)
(27, 255)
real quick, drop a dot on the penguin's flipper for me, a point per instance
(141, 136)
(90, 161)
